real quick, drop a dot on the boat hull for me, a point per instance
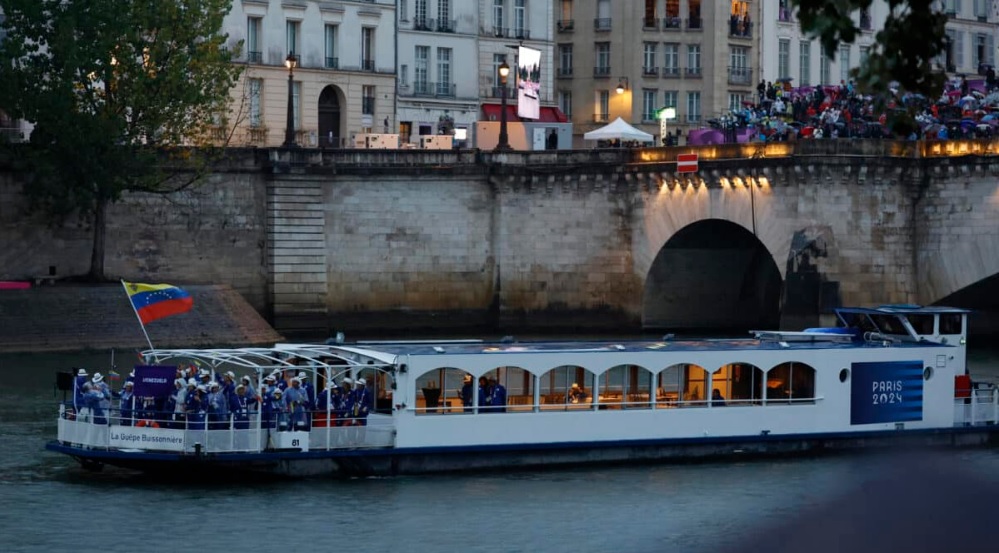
(392, 462)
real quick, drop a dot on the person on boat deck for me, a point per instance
(218, 408)
(78, 383)
(268, 410)
(576, 394)
(497, 396)
(485, 395)
(466, 393)
(239, 405)
(126, 404)
(97, 383)
(196, 405)
(325, 410)
(362, 403)
(250, 390)
(310, 392)
(229, 384)
(205, 378)
(344, 417)
(296, 403)
(93, 400)
(717, 399)
(175, 403)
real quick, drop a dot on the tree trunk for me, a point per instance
(96, 273)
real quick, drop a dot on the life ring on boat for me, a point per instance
(147, 423)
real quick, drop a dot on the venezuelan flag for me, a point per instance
(155, 301)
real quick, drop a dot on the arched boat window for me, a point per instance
(626, 386)
(737, 384)
(517, 395)
(682, 385)
(791, 384)
(439, 391)
(555, 387)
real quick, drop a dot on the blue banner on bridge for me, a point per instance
(887, 391)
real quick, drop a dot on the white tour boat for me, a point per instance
(892, 374)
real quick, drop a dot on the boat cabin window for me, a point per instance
(557, 391)
(440, 391)
(518, 390)
(737, 384)
(923, 324)
(791, 384)
(626, 386)
(681, 385)
(890, 324)
(859, 320)
(950, 323)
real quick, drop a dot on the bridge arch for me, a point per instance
(712, 274)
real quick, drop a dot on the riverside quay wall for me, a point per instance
(603, 239)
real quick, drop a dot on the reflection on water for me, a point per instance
(47, 503)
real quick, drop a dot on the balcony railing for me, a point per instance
(367, 65)
(692, 71)
(443, 25)
(421, 23)
(672, 22)
(438, 90)
(368, 105)
(566, 25)
(650, 24)
(695, 23)
(521, 33)
(693, 117)
(600, 118)
(740, 75)
(671, 72)
(650, 71)
(255, 57)
(602, 71)
(497, 92)
(332, 63)
(602, 24)
(565, 71)
(740, 29)
(500, 32)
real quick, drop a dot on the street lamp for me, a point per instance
(622, 85)
(504, 140)
(291, 62)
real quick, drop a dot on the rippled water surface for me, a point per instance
(47, 503)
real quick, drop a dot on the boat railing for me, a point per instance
(659, 404)
(109, 430)
(981, 407)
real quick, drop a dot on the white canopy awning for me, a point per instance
(618, 130)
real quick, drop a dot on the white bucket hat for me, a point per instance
(98, 377)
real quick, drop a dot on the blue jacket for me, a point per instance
(497, 399)
(362, 403)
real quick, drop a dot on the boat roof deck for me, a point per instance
(465, 347)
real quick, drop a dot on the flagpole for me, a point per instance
(136, 311)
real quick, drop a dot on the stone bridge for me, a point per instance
(760, 236)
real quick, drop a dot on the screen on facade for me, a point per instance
(528, 83)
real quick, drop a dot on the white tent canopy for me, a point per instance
(618, 130)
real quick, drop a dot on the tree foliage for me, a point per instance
(904, 49)
(125, 95)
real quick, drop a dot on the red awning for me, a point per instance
(491, 112)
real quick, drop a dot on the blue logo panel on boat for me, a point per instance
(890, 391)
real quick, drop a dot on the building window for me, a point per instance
(694, 60)
(444, 13)
(566, 10)
(565, 59)
(670, 99)
(254, 50)
(603, 59)
(693, 107)
(865, 52)
(783, 58)
(444, 72)
(256, 85)
(421, 69)
(296, 109)
(983, 50)
(982, 10)
(649, 104)
(649, 58)
(403, 10)
(671, 59)
(603, 106)
(694, 11)
(844, 63)
(404, 75)
(672, 15)
(738, 61)
(420, 20)
(331, 60)
(735, 100)
(368, 48)
(498, 16)
(804, 63)
(824, 68)
(367, 100)
(784, 10)
(291, 35)
(565, 102)
(520, 19)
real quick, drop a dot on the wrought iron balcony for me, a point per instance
(332, 63)
(740, 29)
(442, 25)
(437, 90)
(650, 71)
(650, 24)
(671, 72)
(695, 23)
(255, 57)
(566, 25)
(692, 72)
(600, 117)
(497, 92)
(421, 23)
(671, 22)
(602, 24)
(367, 65)
(740, 75)
(602, 71)
(521, 33)
(500, 32)
(565, 71)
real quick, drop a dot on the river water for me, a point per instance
(47, 503)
